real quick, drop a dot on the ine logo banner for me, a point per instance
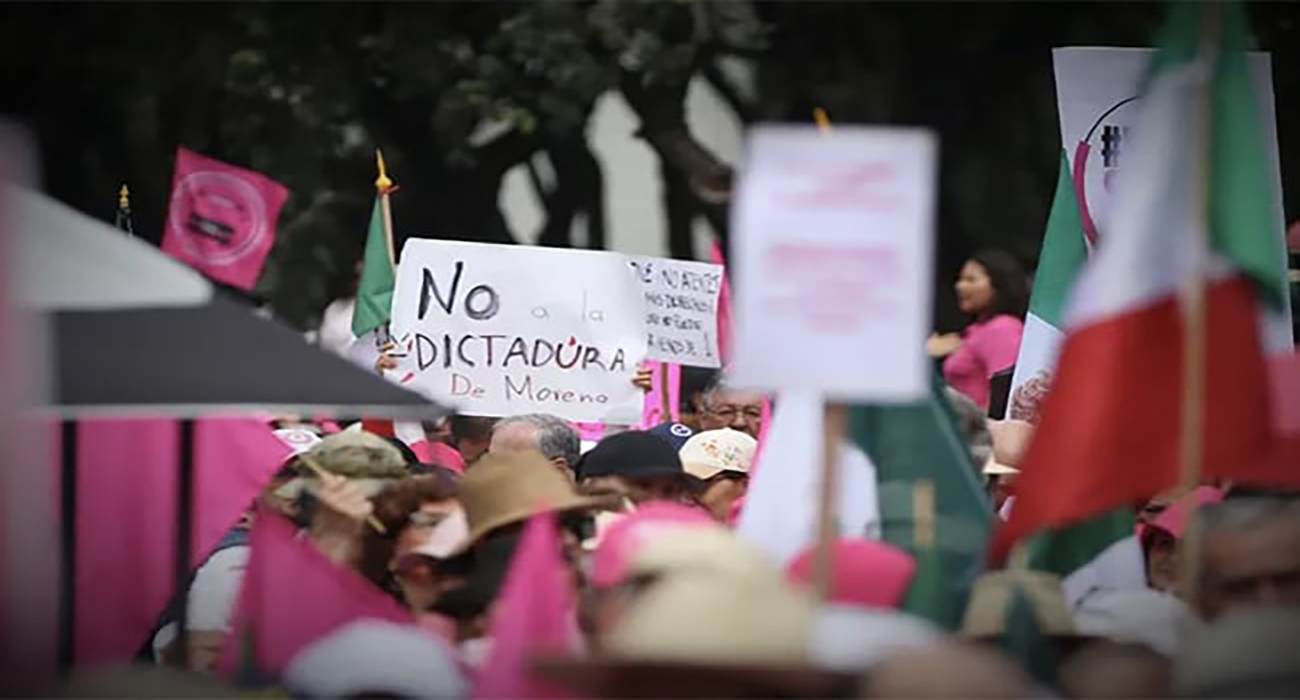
(222, 218)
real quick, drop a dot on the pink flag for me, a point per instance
(126, 517)
(653, 413)
(222, 219)
(293, 595)
(534, 614)
(724, 306)
(592, 432)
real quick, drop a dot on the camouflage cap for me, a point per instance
(366, 459)
(357, 454)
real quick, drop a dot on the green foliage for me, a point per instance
(456, 93)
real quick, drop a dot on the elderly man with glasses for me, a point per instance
(726, 407)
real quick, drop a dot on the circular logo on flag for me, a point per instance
(1098, 159)
(298, 439)
(220, 218)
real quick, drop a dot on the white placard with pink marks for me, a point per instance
(833, 237)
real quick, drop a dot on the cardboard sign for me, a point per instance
(834, 236)
(499, 330)
(221, 220)
(681, 309)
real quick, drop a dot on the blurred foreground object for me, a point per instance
(1246, 654)
(144, 682)
(706, 634)
(28, 563)
(948, 670)
(376, 658)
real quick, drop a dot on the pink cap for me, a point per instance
(1174, 519)
(868, 573)
(621, 541)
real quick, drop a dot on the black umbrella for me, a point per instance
(214, 358)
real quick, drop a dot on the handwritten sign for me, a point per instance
(834, 262)
(499, 330)
(681, 309)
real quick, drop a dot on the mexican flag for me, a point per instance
(931, 502)
(1064, 251)
(375, 290)
(1195, 199)
(1101, 552)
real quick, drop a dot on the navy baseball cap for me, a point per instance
(633, 454)
(675, 433)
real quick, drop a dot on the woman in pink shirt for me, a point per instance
(991, 289)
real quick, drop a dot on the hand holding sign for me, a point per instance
(500, 330)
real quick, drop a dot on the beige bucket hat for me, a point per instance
(705, 633)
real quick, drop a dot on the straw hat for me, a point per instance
(507, 488)
(992, 596)
(704, 634)
(702, 549)
(852, 638)
(624, 536)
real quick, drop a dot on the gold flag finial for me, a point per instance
(823, 121)
(124, 198)
(382, 183)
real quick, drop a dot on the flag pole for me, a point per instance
(385, 186)
(665, 399)
(835, 419)
(123, 217)
(1194, 311)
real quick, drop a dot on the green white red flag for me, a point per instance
(1195, 198)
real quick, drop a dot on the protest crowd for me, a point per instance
(1091, 491)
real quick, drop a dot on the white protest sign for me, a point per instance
(834, 236)
(780, 513)
(498, 330)
(681, 309)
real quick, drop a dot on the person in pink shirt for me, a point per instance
(991, 289)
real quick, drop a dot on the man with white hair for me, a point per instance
(1250, 554)
(541, 432)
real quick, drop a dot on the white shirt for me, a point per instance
(212, 596)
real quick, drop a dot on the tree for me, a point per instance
(457, 94)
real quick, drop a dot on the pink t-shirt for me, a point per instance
(987, 347)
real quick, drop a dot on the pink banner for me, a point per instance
(293, 595)
(653, 414)
(535, 613)
(222, 219)
(724, 305)
(126, 517)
